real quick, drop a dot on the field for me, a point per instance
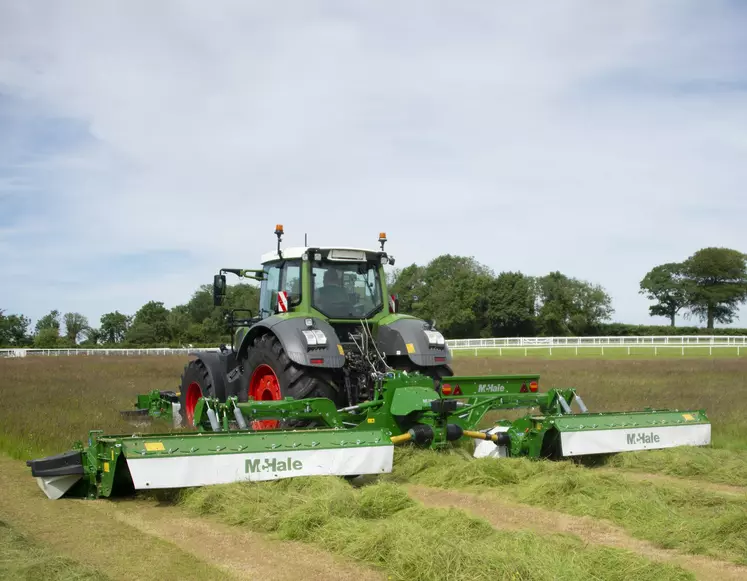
(676, 514)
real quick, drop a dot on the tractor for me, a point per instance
(326, 380)
(325, 326)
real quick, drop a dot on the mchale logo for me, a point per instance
(650, 438)
(272, 465)
(490, 388)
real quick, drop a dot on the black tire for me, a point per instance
(294, 380)
(196, 383)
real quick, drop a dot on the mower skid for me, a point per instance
(57, 474)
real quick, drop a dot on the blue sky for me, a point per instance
(143, 146)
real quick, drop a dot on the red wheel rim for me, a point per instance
(264, 385)
(194, 393)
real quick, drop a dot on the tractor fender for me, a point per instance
(219, 365)
(289, 333)
(405, 336)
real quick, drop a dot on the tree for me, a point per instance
(93, 336)
(150, 324)
(47, 338)
(715, 281)
(49, 321)
(179, 323)
(47, 331)
(114, 327)
(14, 330)
(200, 306)
(143, 334)
(407, 284)
(453, 292)
(511, 305)
(570, 306)
(75, 324)
(665, 284)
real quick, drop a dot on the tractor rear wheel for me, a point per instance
(196, 383)
(273, 376)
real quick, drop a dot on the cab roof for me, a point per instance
(298, 251)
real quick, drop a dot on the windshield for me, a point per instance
(346, 290)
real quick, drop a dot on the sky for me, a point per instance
(144, 145)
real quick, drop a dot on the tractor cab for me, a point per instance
(335, 283)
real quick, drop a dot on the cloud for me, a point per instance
(592, 139)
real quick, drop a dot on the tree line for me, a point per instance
(463, 297)
(196, 323)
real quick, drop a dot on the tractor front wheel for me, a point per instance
(195, 384)
(273, 376)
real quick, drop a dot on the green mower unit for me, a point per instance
(220, 447)
(326, 380)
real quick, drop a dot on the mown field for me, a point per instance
(674, 514)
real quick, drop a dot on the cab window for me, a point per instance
(280, 276)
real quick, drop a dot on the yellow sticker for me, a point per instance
(371, 420)
(688, 417)
(106, 466)
(410, 348)
(340, 349)
(154, 446)
(112, 454)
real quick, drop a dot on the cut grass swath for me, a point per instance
(22, 559)
(683, 517)
(382, 526)
(711, 465)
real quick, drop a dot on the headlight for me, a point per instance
(315, 337)
(435, 338)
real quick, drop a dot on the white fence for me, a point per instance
(102, 352)
(681, 342)
(674, 341)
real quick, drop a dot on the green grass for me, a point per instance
(49, 402)
(606, 352)
(712, 465)
(683, 517)
(381, 526)
(22, 560)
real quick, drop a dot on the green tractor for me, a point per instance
(325, 327)
(325, 381)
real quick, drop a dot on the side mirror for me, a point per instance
(219, 289)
